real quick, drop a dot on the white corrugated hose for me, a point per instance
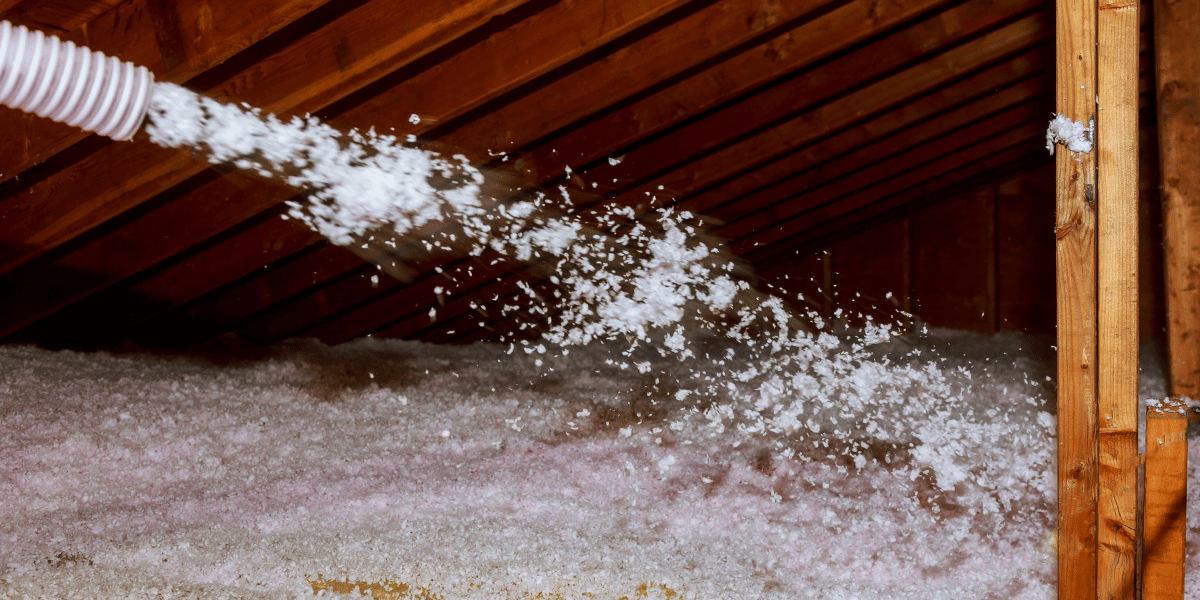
(51, 78)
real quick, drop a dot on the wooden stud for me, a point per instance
(1177, 61)
(1117, 315)
(1165, 528)
(1075, 252)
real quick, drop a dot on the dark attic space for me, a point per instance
(678, 299)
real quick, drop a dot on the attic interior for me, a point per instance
(865, 159)
(845, 150)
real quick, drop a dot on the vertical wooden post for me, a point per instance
(1075, 253)
(1166, 501)
(1177, 61)
(1117, 205)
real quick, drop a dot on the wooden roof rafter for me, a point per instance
(763, 117)
(998, 36)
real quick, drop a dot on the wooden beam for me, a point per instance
(5, 5)
(64, 15)
(508, 58)
(1117, 329)
(1177, 61)
(1165, 529)
(1075, 251)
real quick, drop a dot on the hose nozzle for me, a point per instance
(51, 78)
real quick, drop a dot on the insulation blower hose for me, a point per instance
(51, 78)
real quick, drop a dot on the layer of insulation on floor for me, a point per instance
(403, 470)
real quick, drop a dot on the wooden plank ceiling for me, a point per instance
(790, 122)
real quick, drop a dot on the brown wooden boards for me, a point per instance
(1177, 59)
(663, 56)
(1117, 315)
(1165, 526)
(1075, 251)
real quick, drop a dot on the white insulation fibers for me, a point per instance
(358, 181)
(471, 473)
(1075, 135)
